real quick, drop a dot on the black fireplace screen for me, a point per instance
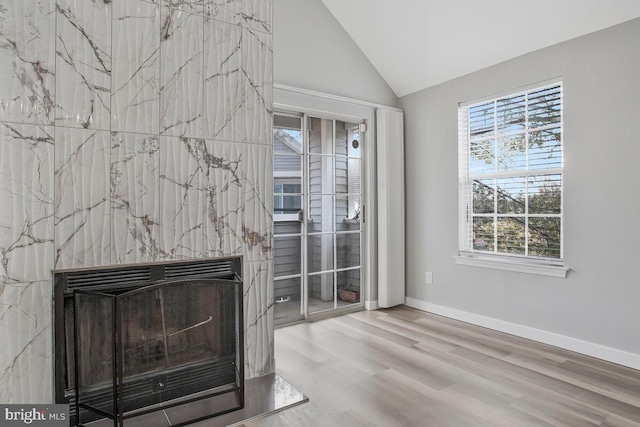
(138, 349)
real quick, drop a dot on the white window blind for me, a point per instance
(510, 175)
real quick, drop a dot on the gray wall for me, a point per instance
(312, 51)
(599, 300)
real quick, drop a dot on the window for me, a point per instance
(287, 197)
(510, 176)
(287, 167)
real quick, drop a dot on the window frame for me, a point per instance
(467, 253)
(286, 180)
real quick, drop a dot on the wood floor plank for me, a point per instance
(409, 362)
(403, 328)
(556, 413)
(550, 351)
(615, 390)
(504, 377)
(409, 408)
(495, 416)
(602, 378)
(338, 344)
(404, 367)
(556, 385)
(616, 421)
(481, 341)
(374, 330)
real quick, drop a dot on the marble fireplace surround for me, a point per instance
(131, 131)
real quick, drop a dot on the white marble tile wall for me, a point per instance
(258, 318)
(26, 202)
(25, 334)
(223, 80)
(27, 61)
(253, 14)
(257, 64)
(82, 202)
(135, 203)
(83, 63)
(191, 6)
(130, 131)
(181, 190)
(135, 105)
(224, 182)
(257, 223)
(181, 68)
(214, 199)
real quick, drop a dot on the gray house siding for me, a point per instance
(285, 159)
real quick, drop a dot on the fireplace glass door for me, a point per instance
(154, 344)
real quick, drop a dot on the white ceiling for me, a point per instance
(415, 44)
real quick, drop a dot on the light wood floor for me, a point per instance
(404, 367)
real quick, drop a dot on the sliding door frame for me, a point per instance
(290, 101)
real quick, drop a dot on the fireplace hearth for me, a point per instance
(132, 340)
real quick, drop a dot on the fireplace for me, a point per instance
(133, 340)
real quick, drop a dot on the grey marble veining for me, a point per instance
(82, 225)
(181, 191)
(257, 65)
(215, 199)
(257, 222)
(257, 15)
(135, 95)
(224, 180)
(223, 81)
(27, 61)
(83, 66)
(25, 334)
(254, 14)
(238, 83)
(258, 303)
(229, 11)
(181, 82)
(192, 6)
(135, 204)
(26, 202)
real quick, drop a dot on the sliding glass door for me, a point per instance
(288, 225)
(318, 214)
(334, 210)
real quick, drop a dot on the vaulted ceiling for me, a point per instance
(415, 44)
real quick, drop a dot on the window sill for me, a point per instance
(517, 266)
(287, 217)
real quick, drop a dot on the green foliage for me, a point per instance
(512, 231)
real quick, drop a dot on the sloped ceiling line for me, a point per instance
(416, 44)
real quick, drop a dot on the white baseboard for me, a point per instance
(609, 354)
(371, 305)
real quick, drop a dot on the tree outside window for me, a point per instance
(511, 174)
